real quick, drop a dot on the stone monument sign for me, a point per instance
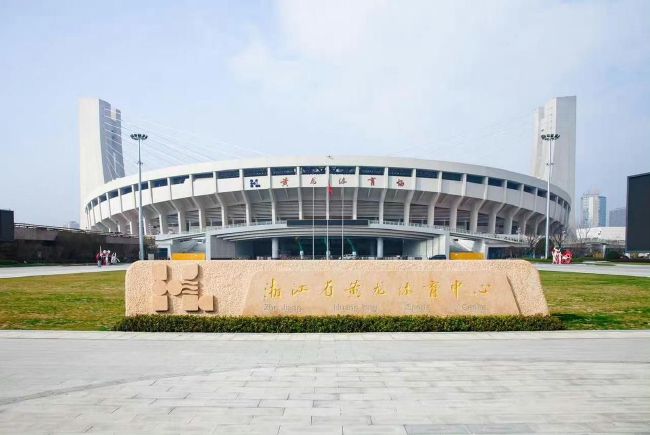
(300, 288)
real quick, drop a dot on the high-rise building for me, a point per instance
(617, 217)
(594, 210)
(557, 116)
(100, 143)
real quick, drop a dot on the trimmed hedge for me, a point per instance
(295, 324)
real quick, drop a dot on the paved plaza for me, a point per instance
(392, 383)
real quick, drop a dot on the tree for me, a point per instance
(559, 236)
(532, 240)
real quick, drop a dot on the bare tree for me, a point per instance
(559, 236)
(532, 240)
(582, 236)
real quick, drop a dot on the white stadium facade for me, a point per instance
(299, 206)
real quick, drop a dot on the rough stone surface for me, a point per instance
(274, 287)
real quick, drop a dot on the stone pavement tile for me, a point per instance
(264, 394)
(431, 429)
(368, 411)
(365, 396)
(310, 430)
(207, 419)
(278, 420)
(501, 428)
(313, 396)
(521, 418)
(132, 410)
(216, 411)
(341, 420)
(237, 403)
(374, 430)
(311, 411)
(641, 417)
(559, 427)
(400, 419)
(286, 403)
(246, 430)
(223, 395)
(614, 427)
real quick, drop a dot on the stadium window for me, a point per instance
(203, 175)
(400, 172)
(452, 176)
(159, 183)
(343, 170)
(285, 170)
(233, 173)
(426, 173)
(476, 179)
(497, 182)
(553, 197)
(95, 202)
(529, 189)
(180, 179)
(513, 185)
(541, 193)
(112, 194)
(126, 190)
(256, 172)
(102, 198)
(371, 170)
(312, 170)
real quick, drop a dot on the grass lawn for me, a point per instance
(84, 301)
(590, 301)
(95, 301)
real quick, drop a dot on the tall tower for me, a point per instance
(100, 146)
(557, 116)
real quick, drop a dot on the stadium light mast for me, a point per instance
(140, 137)
(550, 138)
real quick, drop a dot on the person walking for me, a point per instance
(98, 259)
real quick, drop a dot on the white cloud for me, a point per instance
(436, 79)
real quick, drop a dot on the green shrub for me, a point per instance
(295, 324)
(8, 262)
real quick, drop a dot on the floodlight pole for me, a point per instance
(140, 137)
(550, 138)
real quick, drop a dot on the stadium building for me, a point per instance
(301, 206)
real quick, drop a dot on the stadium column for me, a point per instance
(301, 214)
(355, 194)
(492, 217)
(524, 222)
(164, 227)
(538, 221)
(453, 212)
(197, 203)
(112, 226)
(222, 204)
(409, 198)
(275, 248)
(380, 247)
(511, 215)
(274, 212)
(473, 217)
(431, 211)
(382, 198)
(247, 206)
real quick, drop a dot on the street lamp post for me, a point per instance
(140, 137)
(550, 138)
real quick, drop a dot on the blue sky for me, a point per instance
(442, 80)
